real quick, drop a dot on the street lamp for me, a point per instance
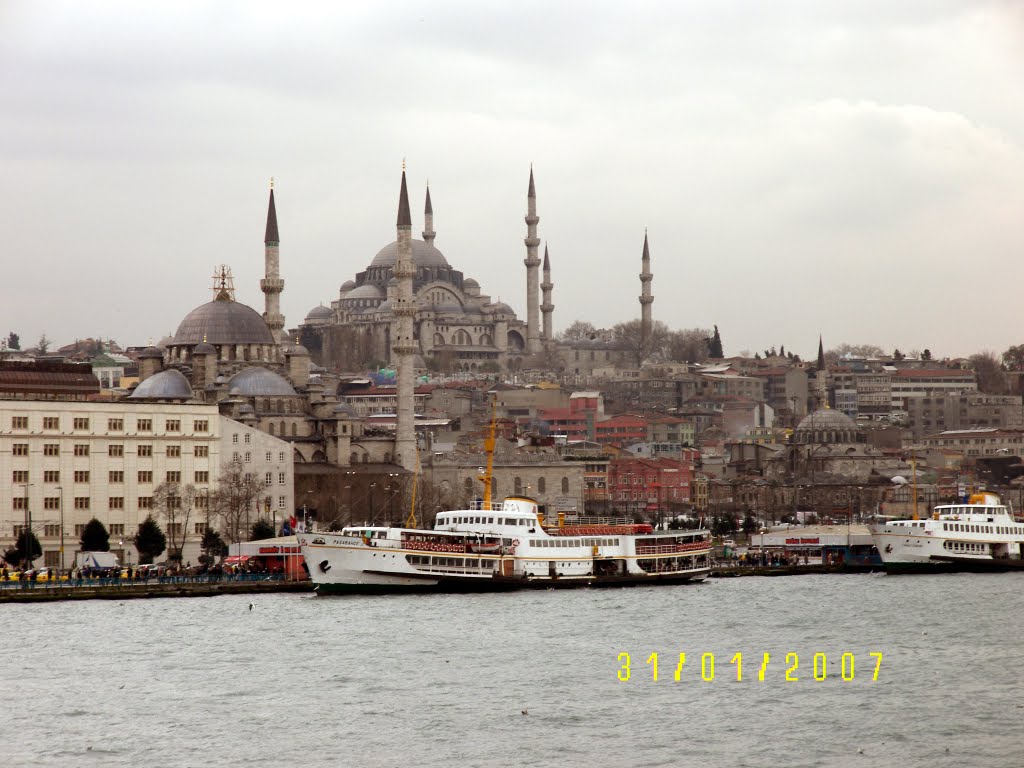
(28, 528)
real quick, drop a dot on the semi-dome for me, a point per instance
(365, 291)
(423, 255)
(259, 382)
(223, 321)
(166, 385)
(319, 313)
(348, 285)
(501, 308)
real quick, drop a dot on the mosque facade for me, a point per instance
(456, 326)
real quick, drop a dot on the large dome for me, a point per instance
(261, 382)
(826, 426)
(423, 255)
(223, 321)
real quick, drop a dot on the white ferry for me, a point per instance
(978, 536)
(501, 546)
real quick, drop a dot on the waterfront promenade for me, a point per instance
(165, 586)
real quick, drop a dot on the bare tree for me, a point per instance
(235, 497)
(630, 335)
(175, 502)
(688, 345)
(986, 366)
(853, 350)
(580, 330)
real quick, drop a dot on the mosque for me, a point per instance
(456, 327)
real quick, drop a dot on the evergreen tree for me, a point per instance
(782, 350)
(213, 547)
(25, 550)
(149, 541)
(95, 537)
(926, 355)
(897, 355)
(43, 345)
(715, 345)
(261, 529)
(13, 340)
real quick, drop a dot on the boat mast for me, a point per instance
(913, 469)
(488, 476)
(410, 521)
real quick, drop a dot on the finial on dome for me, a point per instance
(271, 182)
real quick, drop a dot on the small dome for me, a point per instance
(166, 385)
(501, 308)
(223, 321)
(343, 409)
(384, 306)
(348, 285)
(365, 291)
(203, 348)
(297, 350)
(392, 281)
(826, 418)
(246, 408)
(151, 353)
(319, 313)
(259, 381)
(469, 282)
(423, 255)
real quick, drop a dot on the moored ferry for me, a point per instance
(501, 546)
(980, 535)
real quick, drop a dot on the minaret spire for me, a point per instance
(646, 299)
(532, 278)
(547, 307)
(428, 220)
(272, 285)
(403, 346)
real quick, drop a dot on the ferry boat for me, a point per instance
(501, 546)
(980, 535)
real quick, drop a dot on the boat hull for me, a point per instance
(955, 565)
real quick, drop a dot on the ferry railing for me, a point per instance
(668, 549)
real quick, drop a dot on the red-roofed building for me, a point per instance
(640, 486)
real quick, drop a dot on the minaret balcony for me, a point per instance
(272, 284)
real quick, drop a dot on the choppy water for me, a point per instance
(443, 680)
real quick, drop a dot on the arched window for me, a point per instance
(494, 489)
(565, 485)
(354, 458)
(387, 457)
(541, 485)
(295, 429)
(283, 433)
(270, 427)
(518, 487)
(438, 340)
(462, 338)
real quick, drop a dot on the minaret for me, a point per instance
(532, 278)
(272, 284)
(821, 376)
(403, 347)
(646, 299)
(428, 220)
(547, 307)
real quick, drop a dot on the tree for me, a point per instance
(578, 331)
(237, 495)
(630, 335)
(149, 541)
(991, 380)
(926, 355)
(687, 346)
(854, 350)
(43, 345)
(174, 502)
(213, 547)
(95, 537)
(715, 350)
(1013, 358)
(897, 355)
(13, 340)
(262, 529)
(25, 550)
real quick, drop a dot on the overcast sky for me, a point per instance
(849, 168)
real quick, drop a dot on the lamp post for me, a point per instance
(28, 528)
(266, 507)
(372, 513)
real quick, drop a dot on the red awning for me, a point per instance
(236, 559)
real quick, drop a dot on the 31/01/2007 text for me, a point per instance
(819, 667)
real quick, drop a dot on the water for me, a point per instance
(443, 680)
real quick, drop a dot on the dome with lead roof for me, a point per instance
(223, 321)
(423, 255)
(259, 382)
(166, 385)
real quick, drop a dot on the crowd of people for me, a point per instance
(764, 559)
(244, 569)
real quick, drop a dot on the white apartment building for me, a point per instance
(270, 459)
(63, 463)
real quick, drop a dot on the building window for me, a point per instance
(201, 425)
(236, 457)
(268, 479)
(81, 502)
(174, 451)
(145, 476)
(202, 476)
(280, 456)
(202, 450)
(21, 449)
(173, 476)
(248, 438)
(81, 422)
(79, 529)
(117, 529)
(51, 530)
(20, 502)
(200, 529)
(203, 501)
(19, 422)
(115, 502)
(270, 456)
(81, 449)
(115, 425)
(117, 451)
(248, 456)
(174, 529)
(145, 451)
(145, 502)
(541, 485)
(565, 485)
(144, 425)
(234, 438)
(281, 502)
(51, 422)
(51, 476)
(174, 425)
(19, 476)
(51, 449)
(81, 475)
(116, 476)
(281, 478)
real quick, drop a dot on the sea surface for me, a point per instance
(527, 679)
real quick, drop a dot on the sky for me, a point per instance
(849, 169)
